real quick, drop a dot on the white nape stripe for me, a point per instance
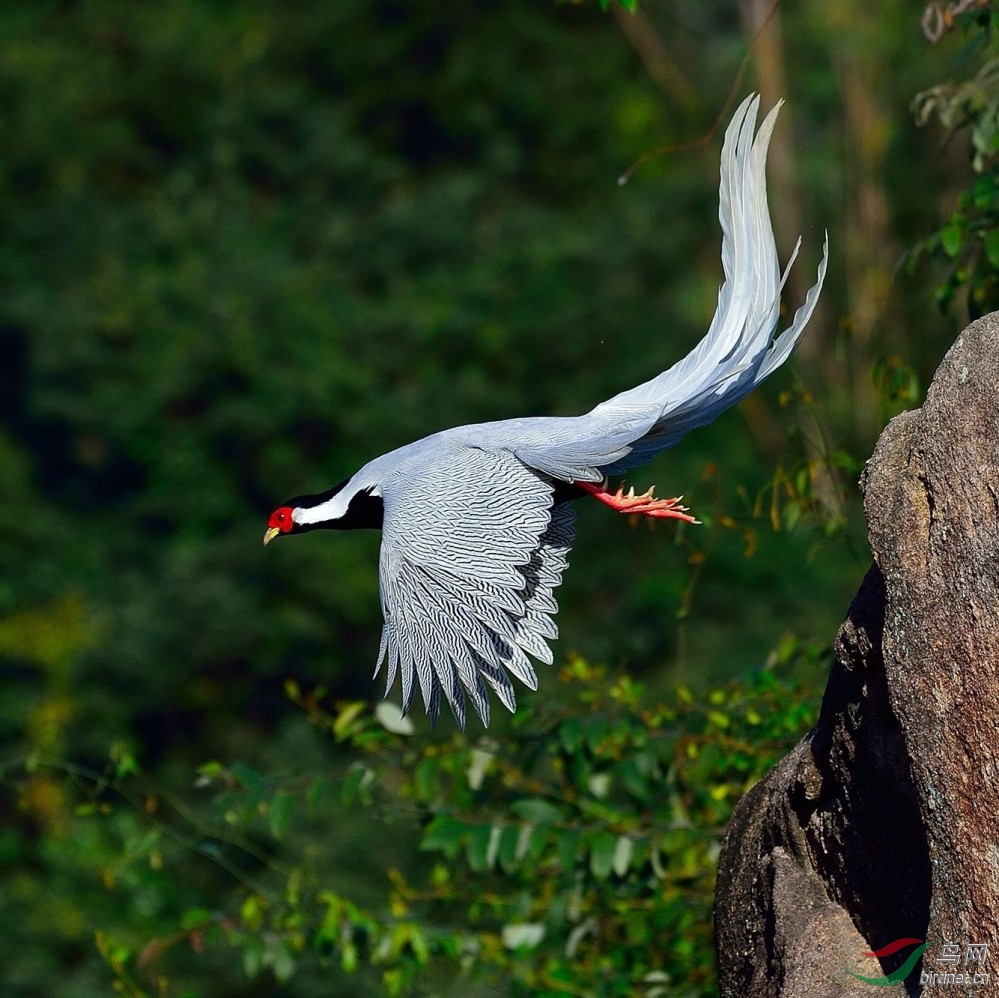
(332, 509)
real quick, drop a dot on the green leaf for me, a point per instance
(283, 963)
(419, 943)
(634, 779)
(425, 778)
(595, 731)
(509, 848)
(394, 981)
(347, 720)
(348, 956)
(253, 957)
(248, 778)
(252, 913)
(321, 790)
(195, 918)
(952, 238)
(983, 191)
(443, 834)
(358, 779)
(792, 515)
(478, 848)
(124, 760)
(717, 719)
(279, 813)
(533, 809)
(992, 247)
(569, 848)
(602, 853)
(570, 734)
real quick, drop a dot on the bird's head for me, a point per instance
(339, 508)
(281, 521)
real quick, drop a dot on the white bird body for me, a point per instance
(476, 520)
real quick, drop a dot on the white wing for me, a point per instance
(472, 550)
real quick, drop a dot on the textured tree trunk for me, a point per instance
(883, 823)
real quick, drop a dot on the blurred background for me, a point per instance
(245, 247)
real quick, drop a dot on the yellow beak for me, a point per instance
(271, 534)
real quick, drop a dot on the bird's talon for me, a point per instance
(645, 505)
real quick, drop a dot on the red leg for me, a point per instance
(646, 504)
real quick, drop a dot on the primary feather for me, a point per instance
(476, 520)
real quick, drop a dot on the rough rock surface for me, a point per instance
(883, 822)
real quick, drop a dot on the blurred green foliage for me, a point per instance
(246, 247)
(968, 242)
(571, 853)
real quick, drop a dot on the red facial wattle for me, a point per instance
(280, 522)
(281, 519)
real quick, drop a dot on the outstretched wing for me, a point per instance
(472, 550)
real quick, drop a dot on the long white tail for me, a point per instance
(740, 348)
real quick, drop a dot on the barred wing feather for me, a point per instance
(472, 550)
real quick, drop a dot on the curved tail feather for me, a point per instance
(739, 349)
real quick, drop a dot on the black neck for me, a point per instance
(365, 511)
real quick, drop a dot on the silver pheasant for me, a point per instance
(477, 520)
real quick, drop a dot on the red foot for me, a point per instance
(646, 504)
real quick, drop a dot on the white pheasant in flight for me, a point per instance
(477, 521)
